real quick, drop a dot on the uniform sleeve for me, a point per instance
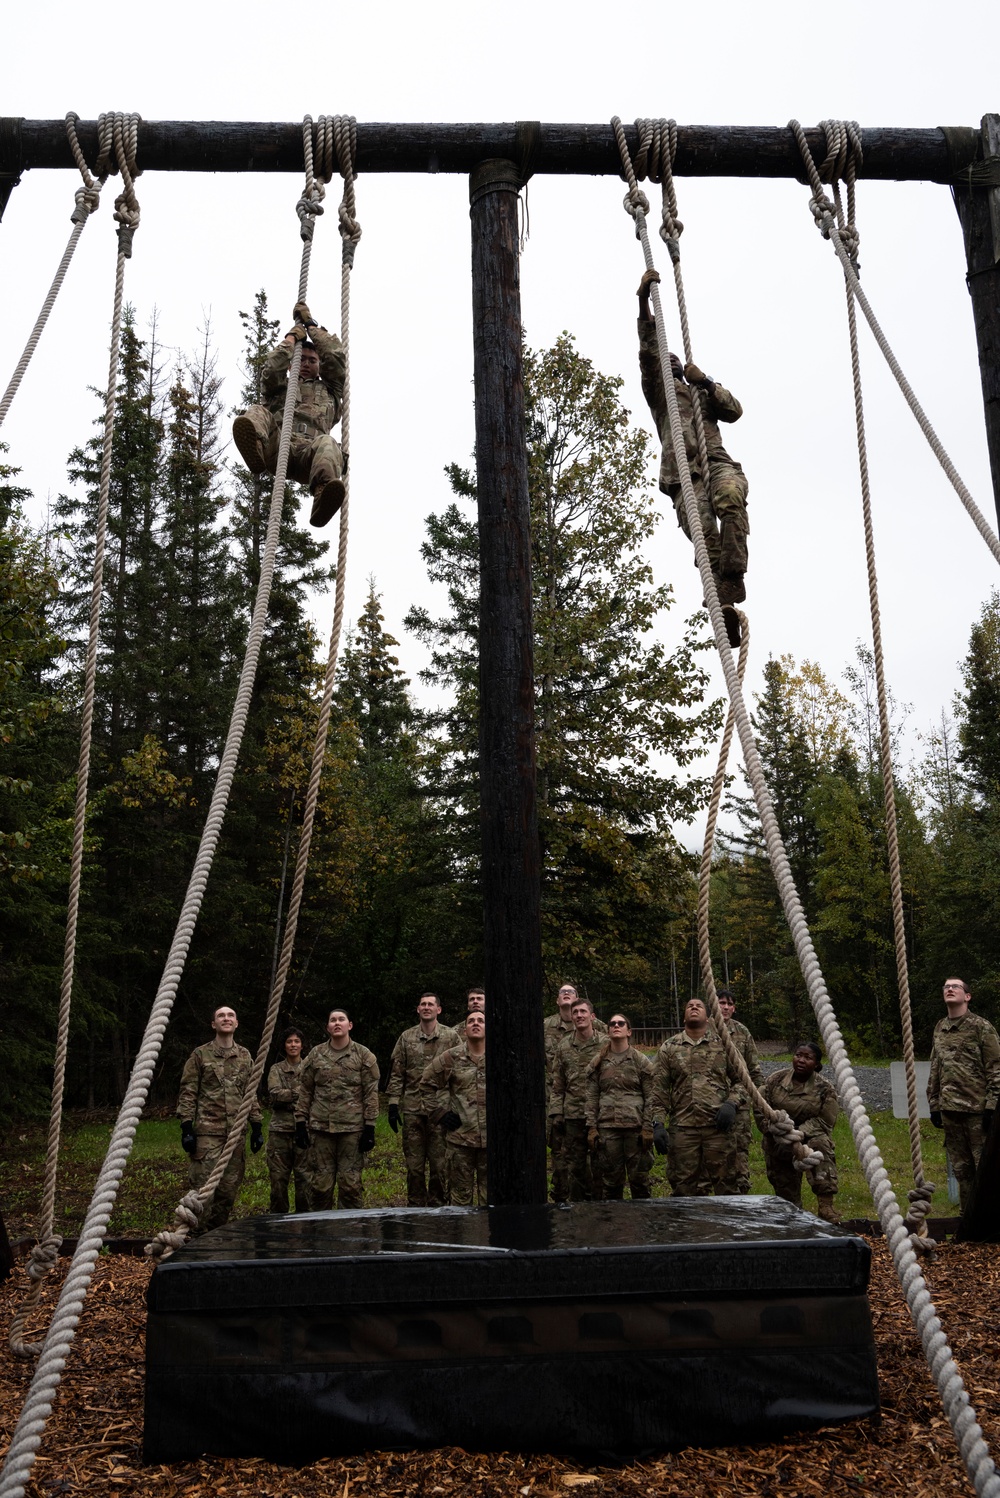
(766, 1088)
(646, 1083)
(278, 1095)
(435, 1086)
(593, 1095)
(830, 1110)
(187, 1099)
(369, 1088)
(307, 1084)
(557, 1099)
(990, 1045)
(662, 1095)
(397, 1067)
(721, 404)
(651, 373)
(254, 1115)
(737, 1094)
(753, 1062)
(934, 1080)
(274, 376)
(332, 364)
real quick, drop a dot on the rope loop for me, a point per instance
(87, 197)
(118, 140)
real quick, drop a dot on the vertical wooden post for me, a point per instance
(515, 1048)
(978, 204)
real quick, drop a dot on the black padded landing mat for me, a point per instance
(615, 1326)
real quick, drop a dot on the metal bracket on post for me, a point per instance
(11, 158)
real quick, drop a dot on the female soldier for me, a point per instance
(619, 1112)
(284, 1157)
(811, 1103)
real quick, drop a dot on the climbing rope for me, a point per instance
(957, 1405)
(38, 1404)
(843, 158)
(824, 214)
(338, 134)
(46, 1248)
(87, 200)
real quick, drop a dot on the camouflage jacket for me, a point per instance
(620, 1090)
(717, 404)
(744, 1043)
(212, 1086)
(282, 1094)
(569, 1074)
(455, 1082)
(338, 1090)
(811, 1105)
(693, 1080)
(411, 1055)
(319, 401)
(965, 1065)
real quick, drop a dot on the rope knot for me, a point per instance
(43, 1257)
(822, 210)
(308, 210)
(88, 200)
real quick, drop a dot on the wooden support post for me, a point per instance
(978, 202)
(515, 1047)
(11, 161)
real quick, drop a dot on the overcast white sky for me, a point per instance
(764, 290)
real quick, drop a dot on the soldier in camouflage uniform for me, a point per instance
(284, 1158)
(619, 1113)
(568, 1103)
(722, 492)
(700, 1094)
(213, 1083)
(454, 1086)
(556, 1028)
(811, 1103)
(744, 1043)
(314, 458)
(336, 1112)
(423, 1144)
(475, 1004)
(964, 1083)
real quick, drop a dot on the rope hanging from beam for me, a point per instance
(122, 140)
(958, 1407)
(843, 159)
(38, 1403)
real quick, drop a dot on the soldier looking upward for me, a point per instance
(336, 1113)
(568, 1104)
(213, 1083)
(423, 1145)
(699, 1093)
(475, 1003)
(455, 1089)
(744, 1043)
(964, 1083)
(285, 1160)
(619, 1112)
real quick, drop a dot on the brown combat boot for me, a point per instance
(731, 589)
(328, 496)
(249, 442)
(731, 620)
(826, 1210)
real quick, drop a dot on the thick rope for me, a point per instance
(844, 157)
(46, 1249)
(189, 1211)
(958, 1408)
(823, 212)
(87, 200)
(38, 1404)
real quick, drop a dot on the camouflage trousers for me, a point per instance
(586, 1182)
(312, 458)
(426, 1162)
(560, 1166)
(787, 1181)
(702, 1161)
(621, 1155)
(723, 510)
(741, 1139)
(208, 1148)
(466, 1175)
(335, 1161)
(285, 1162)
(964, 1137)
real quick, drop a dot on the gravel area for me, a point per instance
(876, 1088)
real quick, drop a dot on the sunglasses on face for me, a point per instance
(617, 1024)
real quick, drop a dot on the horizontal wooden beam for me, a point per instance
(932, 155)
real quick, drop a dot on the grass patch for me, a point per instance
(156, 1176)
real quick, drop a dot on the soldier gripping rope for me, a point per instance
(314, 457)
(964, 1082)
(336, 1112)
(700, 1094)
(454, 1086)
(619, 1112)
(286, 1161)
(568, 1103)
(213, 1083)
(811, 1103)
(423, 1144)
(722, 492)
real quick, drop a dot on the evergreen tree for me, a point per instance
(979, 724)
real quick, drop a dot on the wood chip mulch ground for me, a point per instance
(93, 1442)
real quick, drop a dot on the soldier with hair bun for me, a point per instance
(811, 1103)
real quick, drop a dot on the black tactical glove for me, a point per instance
(725, 1118)
(988, 1118)
(302, 314)
(367, 1141)
(256, 1138)
(450, 1122)
(188, 1140)
(558, 1125)
(394, 1117)
(302, 1139)
(659, 1139)
(937, 1120)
